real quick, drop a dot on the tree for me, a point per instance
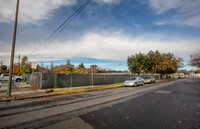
(70, 66)
(4, 67)
(68, 62)
(164, 63)
(156, 58)
(25, 65)
(137, 63)
(93, 66)
(167, 64)
(195, 59)
(81, 65)
(16, 69)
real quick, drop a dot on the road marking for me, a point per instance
(163, 91)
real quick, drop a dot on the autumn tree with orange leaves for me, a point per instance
(16, 69)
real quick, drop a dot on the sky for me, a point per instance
(105, 33)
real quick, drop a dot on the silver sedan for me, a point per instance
(134, 81)
(149, 80)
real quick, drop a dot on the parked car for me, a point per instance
(149, 80)
(134, 81)
(181, 76)
(5, 77)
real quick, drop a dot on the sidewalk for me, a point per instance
(17, 89)
(24, 91)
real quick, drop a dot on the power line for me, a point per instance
(61, 29)
(55, 34)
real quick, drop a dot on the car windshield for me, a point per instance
(147, 77)
(132, 78)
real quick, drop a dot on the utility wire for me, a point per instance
(69, 19)
(51, 37)
(58, 28)
(61, 29)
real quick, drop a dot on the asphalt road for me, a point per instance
(169, 105)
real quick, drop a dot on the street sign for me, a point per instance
(33, 65)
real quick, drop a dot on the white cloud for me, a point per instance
(30, 11)
(34, 11)
(105, 45)
(185, 12)
(116, 46)
(160, 6)
(160, 23)
(108, 1)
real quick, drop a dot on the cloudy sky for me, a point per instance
(105, 33)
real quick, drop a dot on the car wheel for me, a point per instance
(143, 83)
(151, 82)
(18, 80)
(135, 84)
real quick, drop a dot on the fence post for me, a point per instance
(92, 80)
(31, 78)
(35, 79)
(41, 80)
(71, 81)
(104, 78)
(55, 79)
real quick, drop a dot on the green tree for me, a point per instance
(70, 67)
(137, 62)
(93, 66)
(68, 62)
(25, 65)
(81, 65)
(4, 67)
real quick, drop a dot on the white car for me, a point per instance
(134, 81)
(5, 77)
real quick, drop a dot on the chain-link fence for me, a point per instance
(50, 80)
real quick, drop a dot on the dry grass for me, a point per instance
(102, 87)
(63, 91)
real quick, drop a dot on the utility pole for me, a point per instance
(12, 52)
(42, 64)
(51, 65)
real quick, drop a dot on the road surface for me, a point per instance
(175, 104)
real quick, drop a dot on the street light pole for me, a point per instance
(12, 52)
